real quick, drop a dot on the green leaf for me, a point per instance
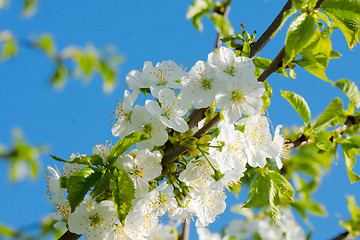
(300, 32)
(9, 45)
(281, 193)
(312, 65)
(350, 89)
(123, 192)
(197, 10)
(299, 104)
(124, 144)
(323, 141)
(283, 186)
(334, 108)
(227, 38)
(335, 54)
(58, 159)
(346, 15)
(79, 183)
(6, 231)
(355, 140)
(267, 95)
(259, 192)
(29, 8)
(46, 43)
(353, 225)
(88, 160)
(109, 76)
(58, 79)
(274, 201)
(222, 24)
(263, 63)
(101, 185)
(309, 205)
(350, 159)
(316, 55)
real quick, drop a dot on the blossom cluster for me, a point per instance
(285, 229)
(194, 186)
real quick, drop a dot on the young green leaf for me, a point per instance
(123, 192)
(7, 232)
(101, 185)
(197, 10)
(346, 15)
(355, 140)
(281, 193)
(300, 105)
(59, 77)
(267, 95)
(334, 108)
(323, 142)
(58, 159)
(109, 76)
(29, 8)
(283, 186)
(79, 183)
(124, 144)
(222, 24)
(88, 160)
(259, 192)
(46, 43)
(350, 89)
(353, 225)
(9, 45)
(350, 159)
(300, 32)
(263, 63)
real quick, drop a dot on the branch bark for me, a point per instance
(342, 236)
(275, 64)
(185, 231)
(266, 36)
(69, 236)
(225, 14)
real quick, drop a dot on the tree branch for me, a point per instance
(225, 14)
(275, 64)
(318, 4)
(266, 36)
(69, 236)
(185, 231)
(303, 140)
(341, 236)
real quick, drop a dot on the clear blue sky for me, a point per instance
(78, 117)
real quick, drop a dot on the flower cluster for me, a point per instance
(285, 229)
(193, 186)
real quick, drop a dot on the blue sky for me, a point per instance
(77, 118)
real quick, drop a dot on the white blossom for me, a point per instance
(202, 86)
(95, 219)
(123, 111)
(142, 168)
(170, 112)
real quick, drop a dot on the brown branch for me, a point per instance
(318, 4)
(275, 64)
(303, 140)
(185, 231)
(69, 236)
(341, 236)
(225, 14)
(171, 153)
(266, 36)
